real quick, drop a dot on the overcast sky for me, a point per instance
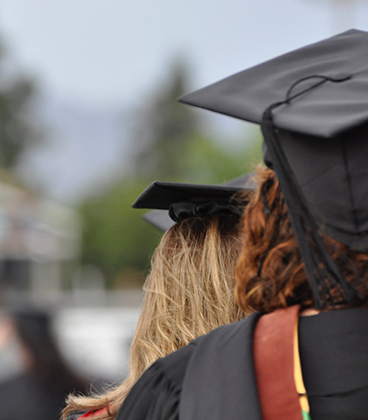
(110, 50)
(106, 52)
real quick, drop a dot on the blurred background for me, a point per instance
(89, 118)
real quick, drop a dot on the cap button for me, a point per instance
(341, 77)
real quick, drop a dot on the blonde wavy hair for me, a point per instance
(188, 293)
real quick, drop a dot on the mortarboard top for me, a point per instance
(333, 108)
(180, 198)
(312, 105)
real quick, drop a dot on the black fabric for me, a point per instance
(184, 201)
(220, 381)
(213, 379)
(181, 211)
(157, 394)
(321, 269)
(161, 195)
(333, 183)
(326, 111)
(333, 351)
(191, 380)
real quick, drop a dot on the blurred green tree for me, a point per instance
(115, 237)
(119, 241)
(17, 128)
(170, 146)
(162, 129)
(209, 163)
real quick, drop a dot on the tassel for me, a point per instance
(322, 271)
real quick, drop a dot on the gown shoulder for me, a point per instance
(161, 392)
(156, 395)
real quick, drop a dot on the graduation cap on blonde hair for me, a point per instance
(174, 202)
(312, 105)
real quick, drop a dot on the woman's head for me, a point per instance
(270, 273)
(189, 290)
(188, 293)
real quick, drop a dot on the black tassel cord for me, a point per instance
(322, 271)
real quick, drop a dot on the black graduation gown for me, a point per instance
(213, 378)
(200, 367)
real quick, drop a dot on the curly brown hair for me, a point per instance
(270, 272)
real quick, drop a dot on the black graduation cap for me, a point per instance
(174, 202)
(312, 105)
(339, 65)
